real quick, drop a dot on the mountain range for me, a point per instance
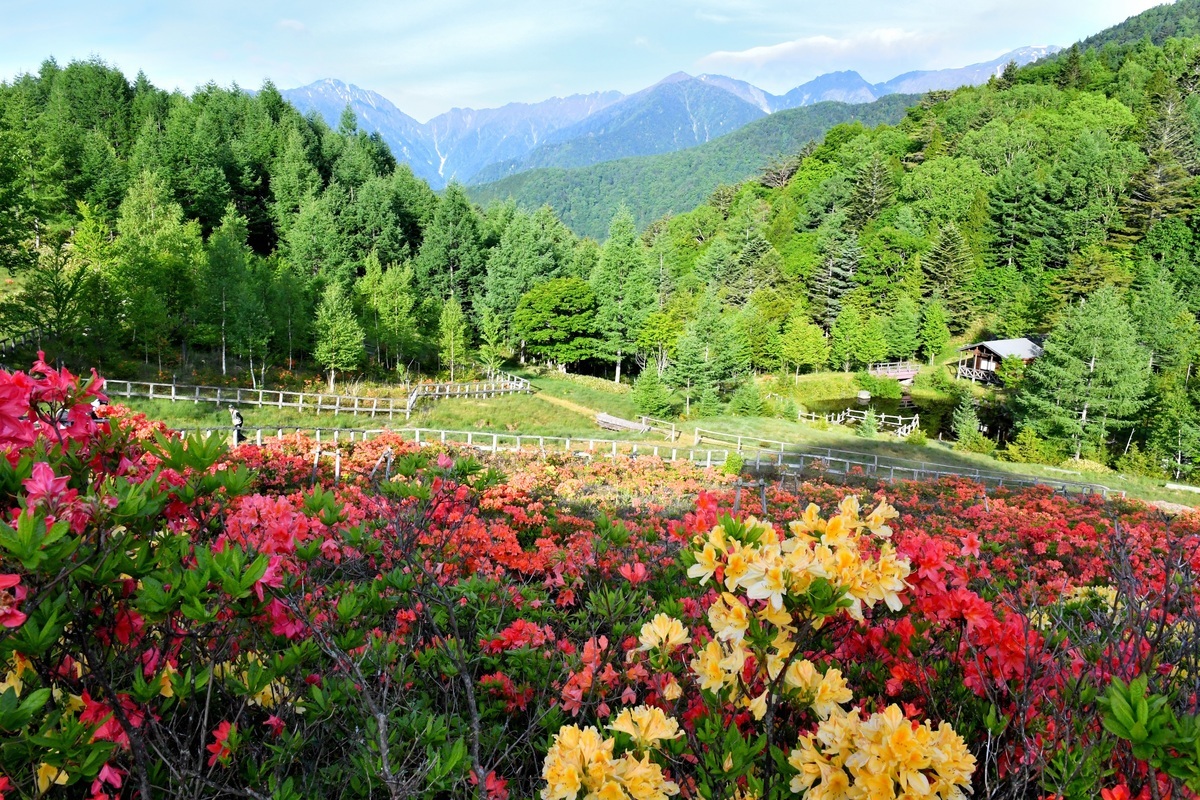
(678, 112)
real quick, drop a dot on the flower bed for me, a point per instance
(180, 619)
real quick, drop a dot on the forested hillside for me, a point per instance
(670, 183)
(1056, 200)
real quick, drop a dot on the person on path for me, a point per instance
(236, 416)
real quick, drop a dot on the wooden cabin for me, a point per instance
(979, 362)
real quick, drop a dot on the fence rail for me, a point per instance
(317, 402)
(787, 456)
(11, 343)
(901, 424)
(483, 441)
(895, 369)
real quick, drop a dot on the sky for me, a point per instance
(428, 56)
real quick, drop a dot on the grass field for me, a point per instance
(564, 406)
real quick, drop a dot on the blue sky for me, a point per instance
(429, 56)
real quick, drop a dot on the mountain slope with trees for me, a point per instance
(1058, 200)
(652, 186)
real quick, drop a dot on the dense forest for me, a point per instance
(1056, 200)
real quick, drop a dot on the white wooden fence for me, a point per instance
(483, 441)
(853, 416)
(317, 403)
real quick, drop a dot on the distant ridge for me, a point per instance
(680, 111)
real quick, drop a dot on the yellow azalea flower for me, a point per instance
(12, 681)
(737, 563)
(838, 532)
(802, 675)
(849, 506)
(758, 705)
(578, 759)
(672, 690)
(810, 521)
(877, 520)
(781, 651)
(778, 617)
(734, 662)
(643, 779)
(21, 665)
(766, 579)
(729, 618)
(831, 692)
(49, 775)
(707, 667)
(705, 566)
(166, 685)
(716, 537)
(270, 695)
(663, 632)
(767, 535)
(647, 726)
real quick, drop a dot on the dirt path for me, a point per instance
(567, 404)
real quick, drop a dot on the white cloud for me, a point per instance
(807, 50)
(291, 25)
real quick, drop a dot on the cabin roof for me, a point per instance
(1021, 348)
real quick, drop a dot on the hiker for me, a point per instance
(236, 415)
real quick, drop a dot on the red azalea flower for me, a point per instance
(10, 617)
(220, 748)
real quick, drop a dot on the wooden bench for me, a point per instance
(610, 423)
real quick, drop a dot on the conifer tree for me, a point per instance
(965, 422)
(904, 329)
(869, 427)
(746, 400)
(874, 189)
(948, 272)
(339, 337)
(845, 339)
(1091, 375)
(803, 344)
(872, 346)
(451, 261)
(1175, 430)
(710, 403)
(840, 257)
(690, 371)
(623, 288)
(934, 333)
(225, 277)
(452, 336)
(650, 395)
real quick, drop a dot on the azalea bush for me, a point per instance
(182, 619)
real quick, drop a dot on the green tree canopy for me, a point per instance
(1091, 377)
(340, 339)
(557, 320)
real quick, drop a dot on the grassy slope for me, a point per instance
(538, 414)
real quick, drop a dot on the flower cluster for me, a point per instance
(580, 760)
(754, 559)
(883, 757)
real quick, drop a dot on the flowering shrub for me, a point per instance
(787, 588)
(178, 618)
